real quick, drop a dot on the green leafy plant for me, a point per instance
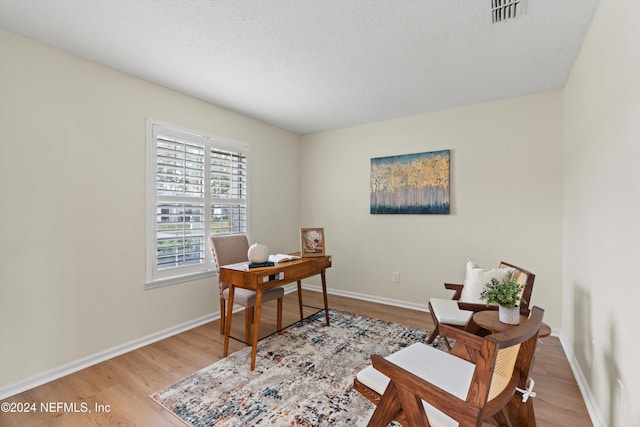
(506, 294)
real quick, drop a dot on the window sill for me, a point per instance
(160, 283)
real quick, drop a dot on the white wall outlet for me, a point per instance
(395, 276)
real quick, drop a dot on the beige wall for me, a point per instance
(506, 189)
(72, 222)
(549, 181)
(602, 209)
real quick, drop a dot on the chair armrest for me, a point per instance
(467, 345)
(457, 288)
(466, 338)
(475, 307)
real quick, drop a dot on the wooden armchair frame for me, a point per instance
(522, 276)
(404, 395)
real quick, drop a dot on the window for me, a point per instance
(197, 186)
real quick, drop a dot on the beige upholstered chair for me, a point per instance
(458, 310)
(231, 249)
(420, 385)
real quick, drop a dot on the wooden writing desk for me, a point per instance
(237, 275)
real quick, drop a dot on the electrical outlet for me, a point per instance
(395, 276)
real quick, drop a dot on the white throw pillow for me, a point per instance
(477, 277)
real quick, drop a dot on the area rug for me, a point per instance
(303, 376)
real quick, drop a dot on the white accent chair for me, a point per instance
(423, 386)
(458, 310)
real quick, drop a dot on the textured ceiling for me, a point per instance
(314, 65)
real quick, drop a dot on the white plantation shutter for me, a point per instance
(228, 192)
(197, 187)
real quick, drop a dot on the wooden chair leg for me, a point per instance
(521, 414)
(279, 315)
(434, 334)
(387, 408)
(436, 330)
(475, 329)
(412, 407)
(501, 418)
(223, 314)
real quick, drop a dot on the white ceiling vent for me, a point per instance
(502, 10)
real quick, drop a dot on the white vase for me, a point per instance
(510, 316)
(258, 253)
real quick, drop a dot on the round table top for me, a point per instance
(488, 319)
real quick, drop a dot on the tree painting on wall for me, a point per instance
(410, 183)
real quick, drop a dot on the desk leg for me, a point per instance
(300, 299)
(256, 327)
(324, 295)
(227, 329)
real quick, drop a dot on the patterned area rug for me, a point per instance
(303, 377)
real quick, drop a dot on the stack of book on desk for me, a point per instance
(260, 265)
(267, 265)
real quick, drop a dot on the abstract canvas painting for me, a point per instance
(410, 183)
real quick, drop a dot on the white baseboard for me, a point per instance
(589, 400)
(364, 297)
(69, 368)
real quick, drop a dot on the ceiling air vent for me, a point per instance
(502, 10)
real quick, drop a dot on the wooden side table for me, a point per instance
(489, 320)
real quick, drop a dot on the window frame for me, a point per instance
(156, 277)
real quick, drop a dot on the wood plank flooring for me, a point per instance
(116, 391)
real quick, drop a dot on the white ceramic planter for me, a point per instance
(510, 316)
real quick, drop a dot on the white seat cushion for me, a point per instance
(448, 372)
(447, 312)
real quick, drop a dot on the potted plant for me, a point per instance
(507, 295)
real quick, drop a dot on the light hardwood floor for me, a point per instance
(122, 385)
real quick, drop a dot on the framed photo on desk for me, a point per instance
(312, 242)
